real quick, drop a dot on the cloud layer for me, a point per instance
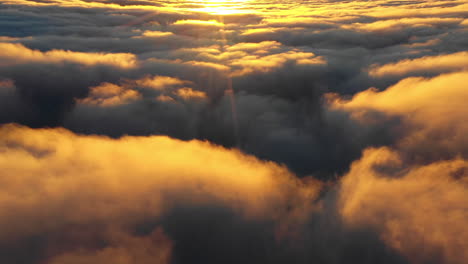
(253, 131)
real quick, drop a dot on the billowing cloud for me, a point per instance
(413, 196)
(431, 111)
(418, 210)
(233, 131)
(61, 181)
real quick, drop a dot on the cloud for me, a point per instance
(193, 22)
(159, 82)
(13, 54)
(283, 72)
(123, 248)
(155, 34)
(134, 199)
(427, 64)
(404, 23)
(108, 94)
(189, 93)
(418, 210)
(431, 110)
(319, 131)
(66, 187)
(252, 63)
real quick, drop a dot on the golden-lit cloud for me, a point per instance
(432, 111)
(419, 210)
(415, 95)
(262, 30)
(263, 46)
(438, 101)
(428, 64)
(199, 131)
(253, 63)
(189, 93)
(129, 91)
(108, 94)
(246, 58)
(159, 82)
(164, 98)
(402, 23)
(156, 34)
(192, 22)
(47, 173)
(12, 54)
(215, 66)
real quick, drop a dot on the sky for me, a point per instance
(254, 131)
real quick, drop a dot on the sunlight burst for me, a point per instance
(223, 7)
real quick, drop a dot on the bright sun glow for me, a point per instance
(223, 7)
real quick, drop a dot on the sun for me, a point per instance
(224, 1)
(226, 7)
